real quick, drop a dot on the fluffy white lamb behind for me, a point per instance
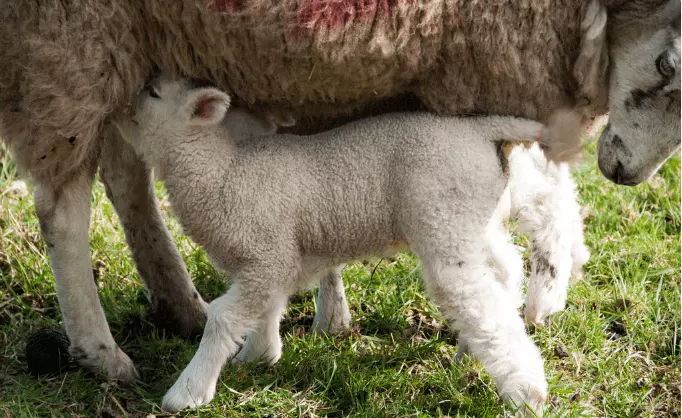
(280, 211)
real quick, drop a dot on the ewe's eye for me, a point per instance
(664, 65)
(151, 91)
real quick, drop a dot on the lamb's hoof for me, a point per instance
(544, 304)
(255, 349)
(185, 318)
(537, 315)
(109, 360)
(188, 392)
(332, 324)
(526, 395)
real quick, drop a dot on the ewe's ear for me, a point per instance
(206, 106)
(591, 66)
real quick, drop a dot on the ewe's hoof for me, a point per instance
(185, 318)
(105, 358)
(118, 366)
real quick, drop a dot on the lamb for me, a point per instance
(279, 211)
(541, 197)
(66, 67)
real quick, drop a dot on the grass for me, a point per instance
(614, 351)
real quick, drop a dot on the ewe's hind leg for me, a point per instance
(230, 318)
(332, 315)
(64, 221)
(176, 305)
(264, 343)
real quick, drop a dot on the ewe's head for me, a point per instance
(644, 97)
(165, 109)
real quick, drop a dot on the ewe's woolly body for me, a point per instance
(65, 67)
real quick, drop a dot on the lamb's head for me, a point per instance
(644, 96)
(168, 110)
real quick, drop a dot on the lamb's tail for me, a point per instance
(559, 140)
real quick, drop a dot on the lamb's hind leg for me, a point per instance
(332, 315)
(449, 237)
(490, 326)
(549, 221)
(64, 215)
(176, 305)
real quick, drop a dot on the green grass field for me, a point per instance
(614, 351)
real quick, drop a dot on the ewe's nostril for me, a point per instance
(618, 173)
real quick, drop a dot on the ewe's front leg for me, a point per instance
(332, 315)
(176, 305)
(230, 318)
(64, 222)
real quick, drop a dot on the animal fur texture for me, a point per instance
(280, 211)
(65, 67)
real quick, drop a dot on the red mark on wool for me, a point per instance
(227, 6)
(335, 14)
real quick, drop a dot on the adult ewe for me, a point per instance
(67, 66)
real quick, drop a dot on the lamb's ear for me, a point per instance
(206, 106)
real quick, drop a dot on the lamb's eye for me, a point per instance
(151, 91)
(664, 65)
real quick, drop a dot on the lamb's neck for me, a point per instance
(194, 172)
(191, 157)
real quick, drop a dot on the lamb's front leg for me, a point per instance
(332, 315)
(176, 305)
(64, 215)
(230, 317)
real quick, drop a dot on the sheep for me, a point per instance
(66, 67)
(278, 211)
(541, 197)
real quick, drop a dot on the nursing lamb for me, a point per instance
(279, 211)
